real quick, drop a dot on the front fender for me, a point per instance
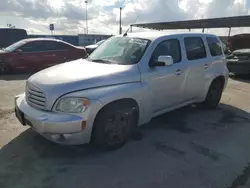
(107, 94)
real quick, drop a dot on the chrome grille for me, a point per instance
(35, 97)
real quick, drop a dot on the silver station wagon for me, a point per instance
(124, 83)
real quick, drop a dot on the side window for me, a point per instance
(195, 48)
(62, 46)
(169, 47)
(50, 46)
(214, 46)
(35, 46)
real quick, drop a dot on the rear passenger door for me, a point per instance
(198, 63)
(63, 52)
(54, 53)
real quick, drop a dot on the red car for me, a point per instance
(31, 55)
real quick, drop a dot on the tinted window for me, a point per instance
(195, 48)
(62, 46)
(54, 45)
(169, 47)
(50, 46)
(214, 46)
(36, 46)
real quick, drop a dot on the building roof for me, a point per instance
(152, 35)
(225, 22)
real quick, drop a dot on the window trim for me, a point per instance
(171, 39)
(43, 51)
(201, 38)
(216, 43)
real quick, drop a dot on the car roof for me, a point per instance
(44, 39)
(155, 35)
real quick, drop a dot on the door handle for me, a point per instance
(206, 66)
(178, 72)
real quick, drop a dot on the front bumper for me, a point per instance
(62, 128)
(238, 66)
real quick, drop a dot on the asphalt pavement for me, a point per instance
(187, 148)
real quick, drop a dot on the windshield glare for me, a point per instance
(14, 46)
(120, 50)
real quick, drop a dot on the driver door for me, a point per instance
(167, 82)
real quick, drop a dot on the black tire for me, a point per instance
(214, 95)
(114, 125)
(4, 69)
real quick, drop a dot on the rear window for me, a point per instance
(214, 46)
(195, 48)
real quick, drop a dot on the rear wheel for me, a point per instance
(114, 125)
(214, 94)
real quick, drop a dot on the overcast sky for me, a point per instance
(103, 15)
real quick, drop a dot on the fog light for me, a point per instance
(61, 137)
(67, 137)
(55, 137)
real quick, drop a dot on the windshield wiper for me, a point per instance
(100, 61)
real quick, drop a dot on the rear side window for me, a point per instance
(169, 47)
(50, 46)
(55, 46)
(195, 48)
(62, 46)
(36, 46)
(214, 46)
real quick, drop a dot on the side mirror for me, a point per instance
(162, 61)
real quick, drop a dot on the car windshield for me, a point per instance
(120, 50)
(14, 46)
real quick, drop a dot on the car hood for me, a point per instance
(241, 52)
(79, 75)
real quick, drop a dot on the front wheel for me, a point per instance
(113, 126)
(214, 95)
(3, 68)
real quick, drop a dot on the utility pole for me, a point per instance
(120, 27)
(86, 2)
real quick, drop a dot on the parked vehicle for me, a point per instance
(9, 36)
(123, 84)
(238, 58)
(36, 54)
(92, 47)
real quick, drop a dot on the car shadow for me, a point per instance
(13, 77)
(30, 159)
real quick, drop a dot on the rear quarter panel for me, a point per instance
(77, 53)
(217, 68)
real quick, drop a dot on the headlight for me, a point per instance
(73, 105)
